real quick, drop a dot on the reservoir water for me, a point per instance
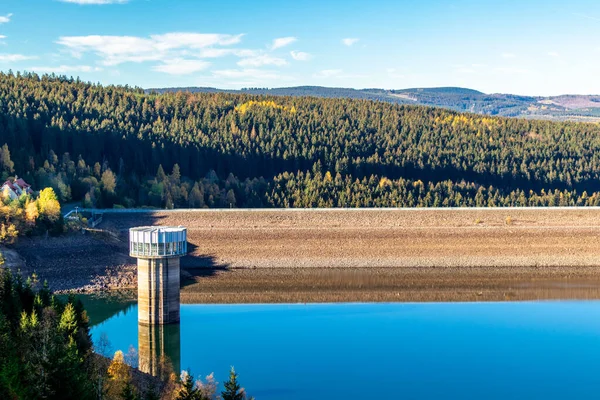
(532, 350)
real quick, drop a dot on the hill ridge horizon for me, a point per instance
(563, 107)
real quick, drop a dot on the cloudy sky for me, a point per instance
(535, 47)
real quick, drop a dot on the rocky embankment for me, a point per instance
(343, 255)
(77, 262)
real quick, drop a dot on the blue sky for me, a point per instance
(530, 47)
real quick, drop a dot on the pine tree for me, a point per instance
(176, 175)
(128, 392)
(151, 393)
(68, 320)
(196, 197)
(188, 390)
(160, 174)
(233, 390)
(230, 198)
(5, 162)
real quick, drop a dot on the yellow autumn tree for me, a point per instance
(118, 370)
(6, 193)
(48, 205)
(31, 212)
(119, 375)
(8, 233)
(384, 182)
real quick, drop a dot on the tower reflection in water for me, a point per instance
(159, 346)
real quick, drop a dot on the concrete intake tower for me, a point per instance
(158, 250)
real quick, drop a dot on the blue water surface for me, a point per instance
(537, 350)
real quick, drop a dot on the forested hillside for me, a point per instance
(558, 108)
(108, 146)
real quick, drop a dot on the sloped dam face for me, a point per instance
(546, 350)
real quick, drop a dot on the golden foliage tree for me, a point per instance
(48, 205)
(31, 212)
(109, 182)
(8, 233)
(119, 376)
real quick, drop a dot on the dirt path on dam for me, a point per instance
(362, 255)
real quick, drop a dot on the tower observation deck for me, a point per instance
(158, 250)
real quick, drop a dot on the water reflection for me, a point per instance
(537, 350)
(159, 345)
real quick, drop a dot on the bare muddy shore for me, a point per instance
(346, 255)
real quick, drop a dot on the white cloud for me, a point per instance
(300, 55)
(63, 69)
(553, 54)
(116, 50)
(113, 49)
(5, 18)
(263, 59)
(212, 52)
(194, 40)
(282, 42)
(246, 52)
(180, 66)
(86, 2)
(508, 55)
(350, 41)
(15, 57)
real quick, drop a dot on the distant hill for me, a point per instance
(116, 146)
(560, 108)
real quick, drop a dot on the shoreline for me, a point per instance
(377, 285)
(430, 287)
(371, 255)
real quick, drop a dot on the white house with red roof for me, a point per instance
(15, 188)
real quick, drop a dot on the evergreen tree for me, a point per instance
(160, 174)
(188, 390)
(176, 175)
(233, 390)
(128, 392)
(6, 163)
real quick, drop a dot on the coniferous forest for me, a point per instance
(108, 146)
(46, 352)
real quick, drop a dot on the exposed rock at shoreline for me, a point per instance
(78, 262)
(338, 255)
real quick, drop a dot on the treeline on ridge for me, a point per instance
(117, 146)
